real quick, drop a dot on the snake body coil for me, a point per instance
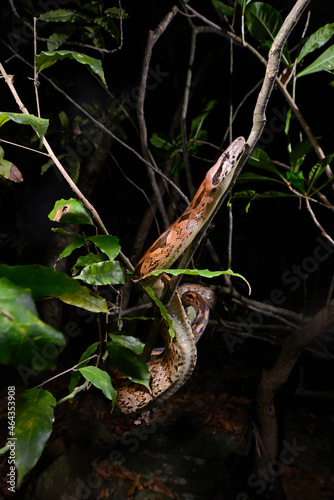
(171, 370)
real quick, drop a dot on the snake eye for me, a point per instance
(213, 190)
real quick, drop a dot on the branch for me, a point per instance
(273, 379)
(9, 81)
(153, 37)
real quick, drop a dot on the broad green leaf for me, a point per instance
(84, 359)
(24, 338)
(129, 364)
(86, 299)
(259, 158)
(317, 170)
(45, 282)
(223, 8)
(264, 22)
(34, 419)
(325, 62)
(70, 211)
(252, 176)
(107, 244)
(298, 154)
(317, 40)
(103, 273)
(127, 341)
(56, 40)
(78, 242)
(47, 59)
(100, 379)
(205, 273)
(297, 180)
(40, 125)
(88, 260)
(161, 141)
(61, 15)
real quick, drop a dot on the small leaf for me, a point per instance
(103, 273)
(78, 242)
(84, 359)
(23, 335)
(226, 10)
(129, 364)
(317, 170)
(127, 341)
(259, 158)
(61, 15)
(107, 244)
(70, 212)
(298, 154)
(88, 260)
(325, 62)
(297, 180)
(34, 419)
(100, 379)
(161, 141)
(161, 307)
(40, 125)
(47, 59)
(317, 40)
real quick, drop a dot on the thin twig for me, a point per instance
(153, 37)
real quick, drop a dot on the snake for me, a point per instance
(172, 368)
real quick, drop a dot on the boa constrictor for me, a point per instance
(170, 370)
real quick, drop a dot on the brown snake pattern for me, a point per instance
(172, 369)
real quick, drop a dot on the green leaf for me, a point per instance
(298, 154)
(260, 159)
(161, 141)
(70, 211)
(47, 59)
(226, 10)
(103, 273)
(107, 244)
(264, 22)
(88, 260)
(197, 123)
(100, 379)
(205, 273)
(23, 335)
(34, 419)
(61, 16)
(45, 282)
(325, 62)
(317, 170)
(161, 307)
(317, 40)
(84, 359)
(40, 125)
(252, 176)
(297, 180)
(254, 196)
(78, 242)
(127, 341)
(129, 364)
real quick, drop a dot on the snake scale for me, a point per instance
(171, 370)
